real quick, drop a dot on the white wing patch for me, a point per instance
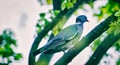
(73, 36)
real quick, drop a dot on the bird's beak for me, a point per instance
(87, 20)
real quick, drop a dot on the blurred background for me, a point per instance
(21, 17)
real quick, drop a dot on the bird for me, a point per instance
(65, 39)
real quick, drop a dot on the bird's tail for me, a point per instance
(38, 51)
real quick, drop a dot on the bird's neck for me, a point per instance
(79, 22)
(80, 25)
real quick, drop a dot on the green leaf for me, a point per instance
(63, 5)
(49, 2)
(67, 4)
(117, 13)
(56, 12)
(42, 15)
(1, 39)
(46, 21)
(38, 25)
(91, 4)
(73, 1)
(117, 46)
(2, 50)
(95, 44)
(10, 41)
(117, 30)
(18, 56)
(110, 30)
(114, 27)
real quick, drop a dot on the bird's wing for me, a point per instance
(54, 43)
(69, 33)
(63, 37)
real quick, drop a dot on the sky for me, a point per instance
(21, 16)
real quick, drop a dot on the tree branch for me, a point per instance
(85, 41)
(104, 46)
(44, 59)
(55, 4)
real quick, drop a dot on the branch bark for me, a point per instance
(85, 41)
(55, 4)
(44, 59)
(104, 46)
(65, 14)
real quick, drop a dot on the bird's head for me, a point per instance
(81, 19)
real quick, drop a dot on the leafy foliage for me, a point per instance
(95, 44)
(115, 27)
(111, 7)
(44, 20)
(51, 14)
(7, 41)
(67, 4)
(108, 9)
(98, 41)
